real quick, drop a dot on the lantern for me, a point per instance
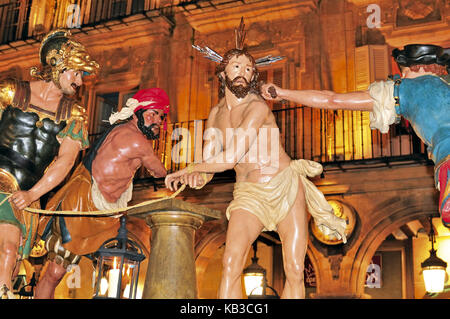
(255, 281)
(433, 268)
(118, 265)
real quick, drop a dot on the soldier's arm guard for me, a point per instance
(77, 127)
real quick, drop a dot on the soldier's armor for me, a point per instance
(28, 142)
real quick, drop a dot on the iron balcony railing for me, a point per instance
(22, 20)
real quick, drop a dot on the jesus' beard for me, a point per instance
(240, 91)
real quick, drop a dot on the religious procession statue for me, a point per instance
(42, 130)
(103, 182)
(421, 95)
(270, 193)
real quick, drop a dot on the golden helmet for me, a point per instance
(59, 51)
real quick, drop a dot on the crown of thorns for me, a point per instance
(240, 34)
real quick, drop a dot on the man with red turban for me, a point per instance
(155, 99)
(103, 181)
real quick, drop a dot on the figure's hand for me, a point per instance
(270, 92)
(21, 199)
(194, 179)
(173, 179)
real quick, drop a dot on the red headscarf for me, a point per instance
(157, 97)
(147, 99)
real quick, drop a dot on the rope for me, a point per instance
(98, 213)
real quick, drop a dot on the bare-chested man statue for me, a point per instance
(269, 194)
(103, 181)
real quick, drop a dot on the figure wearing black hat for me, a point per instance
(421, 95)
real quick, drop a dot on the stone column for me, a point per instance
(171, 268)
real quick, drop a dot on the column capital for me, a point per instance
(174, 218)
(175, 206)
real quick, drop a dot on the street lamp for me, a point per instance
(118, 265)
(433, 268)
(255, 280)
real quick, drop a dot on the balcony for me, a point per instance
(26, 21)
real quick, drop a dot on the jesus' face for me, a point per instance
(238, 75)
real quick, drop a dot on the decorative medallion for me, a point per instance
(340, 210)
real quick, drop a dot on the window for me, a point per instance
(106, 104)
(101, 10)
(371, 64)
(118, 8)
(14, 18)
(137, 6)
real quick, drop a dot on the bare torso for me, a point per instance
(117, 160)
(258, 169)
